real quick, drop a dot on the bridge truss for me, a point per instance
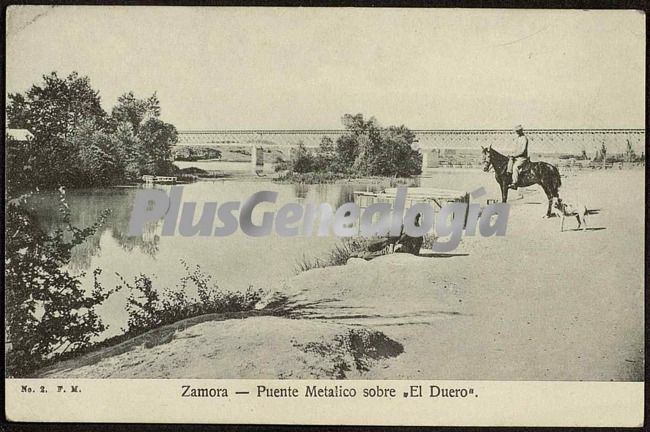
(571, 141)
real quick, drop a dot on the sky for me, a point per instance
(277, 68)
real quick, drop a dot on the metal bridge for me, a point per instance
(542, 140)
(434, 144)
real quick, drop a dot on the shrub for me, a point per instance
(48, 312)
(366, 149)
(302, 161)
(149, 308)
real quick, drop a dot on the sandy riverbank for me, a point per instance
(534, 305)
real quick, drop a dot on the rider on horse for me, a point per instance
(519, 157)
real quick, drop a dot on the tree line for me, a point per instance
(76, 143)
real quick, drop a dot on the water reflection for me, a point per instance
(235, 262)
(87, 206)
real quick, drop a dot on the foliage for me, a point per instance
(48, 312)
(53, 112)
(156, 140)
(630, 154)
(366, 149)
(149, 309)
(310, 177)
(325, 159)
(56, 108)
(302, 160)
(77, 144)
(281, 165)
(134, 111)
(19, 165)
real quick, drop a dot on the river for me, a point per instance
(235, 262)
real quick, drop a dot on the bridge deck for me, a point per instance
(542, 140)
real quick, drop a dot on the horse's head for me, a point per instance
(487, 158)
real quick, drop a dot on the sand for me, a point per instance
(536, 304)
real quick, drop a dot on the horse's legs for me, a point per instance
(549, 195)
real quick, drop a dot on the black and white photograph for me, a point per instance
(323, 194)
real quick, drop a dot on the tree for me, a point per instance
(77, 144)
(18, 112)
(347, 151)
(18, 165)
(302, 161)
(48, 312)
(325, 156)
(370, 149)
(356, 124)
(135, 111)
(156, 139)
(361, 134)
(129, 151)
(57, 107)
(99, 160)
(630, 155)
(53, 112)
(395, 156)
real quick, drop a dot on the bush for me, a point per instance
(302, 161)
(366, 149)
(149, 308)
(48, 312)
(281, 165)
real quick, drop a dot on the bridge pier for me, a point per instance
(257, 158)
(430, 158)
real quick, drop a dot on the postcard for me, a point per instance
(349, 216)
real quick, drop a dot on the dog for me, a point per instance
(562, 209)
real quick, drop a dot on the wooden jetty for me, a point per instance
(158, 179)
(436, 197)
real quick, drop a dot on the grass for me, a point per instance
(338, 256)
(310, 177)
(332, 177)
(344, 250)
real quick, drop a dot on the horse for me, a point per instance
(541, 173)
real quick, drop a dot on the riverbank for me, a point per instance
(536, 304)
(246, 346)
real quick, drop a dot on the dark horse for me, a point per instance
(541, 173)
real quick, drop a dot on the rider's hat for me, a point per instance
(518, 128)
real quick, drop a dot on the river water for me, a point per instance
(235, 262)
